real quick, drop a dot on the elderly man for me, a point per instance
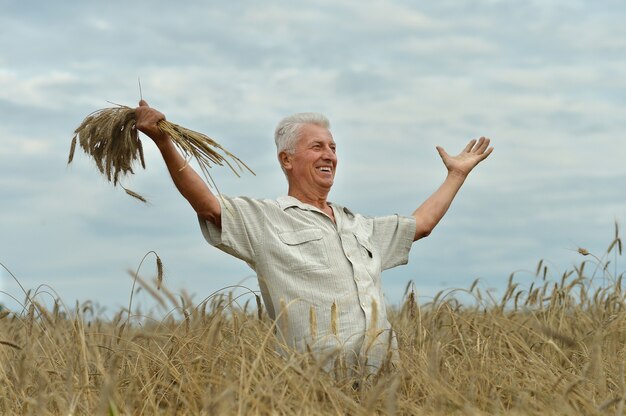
(318, 264)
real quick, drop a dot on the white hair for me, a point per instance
(287, 132)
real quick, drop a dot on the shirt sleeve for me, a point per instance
(242, 224)
(393, 237)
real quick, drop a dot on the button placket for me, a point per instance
(350, 247)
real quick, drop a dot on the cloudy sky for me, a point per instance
(544, 79)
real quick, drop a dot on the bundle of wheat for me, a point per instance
(109, 136)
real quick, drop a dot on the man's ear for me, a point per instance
(285, 160)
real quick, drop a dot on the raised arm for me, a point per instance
(186, 179)
(428, 215)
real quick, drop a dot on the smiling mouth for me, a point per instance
(325, 169)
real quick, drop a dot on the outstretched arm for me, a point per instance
(187, 180)
(428, 215)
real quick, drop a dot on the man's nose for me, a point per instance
(329, 153)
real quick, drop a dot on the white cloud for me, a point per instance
(448, 44)
(16, 146)
(45, 90)
(383, 15)
(541, 76)
(100, 24)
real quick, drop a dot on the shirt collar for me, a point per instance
(287, 201)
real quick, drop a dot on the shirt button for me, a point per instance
(363, 304)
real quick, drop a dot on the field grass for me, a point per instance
(556, 347)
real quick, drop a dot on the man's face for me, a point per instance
(314, 161)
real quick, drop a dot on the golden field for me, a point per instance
(555, 346)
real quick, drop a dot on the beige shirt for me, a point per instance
(319, 279)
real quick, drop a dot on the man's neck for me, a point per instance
(316, 197)
(318, 200)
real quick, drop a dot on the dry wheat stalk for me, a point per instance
(109, 136)
(159, 264)
(333, 318)
(10, 344)
(313, 322)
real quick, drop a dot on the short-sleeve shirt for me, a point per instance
(319, 279)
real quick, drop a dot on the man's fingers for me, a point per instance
(143, 103)
(485, 154)
(478, 146)
(470, 145)
(482, 145)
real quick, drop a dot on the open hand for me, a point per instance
(462, 164)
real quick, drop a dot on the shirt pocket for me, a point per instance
(368, 257)
(305, 249)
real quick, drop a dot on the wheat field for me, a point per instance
(555, 346)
